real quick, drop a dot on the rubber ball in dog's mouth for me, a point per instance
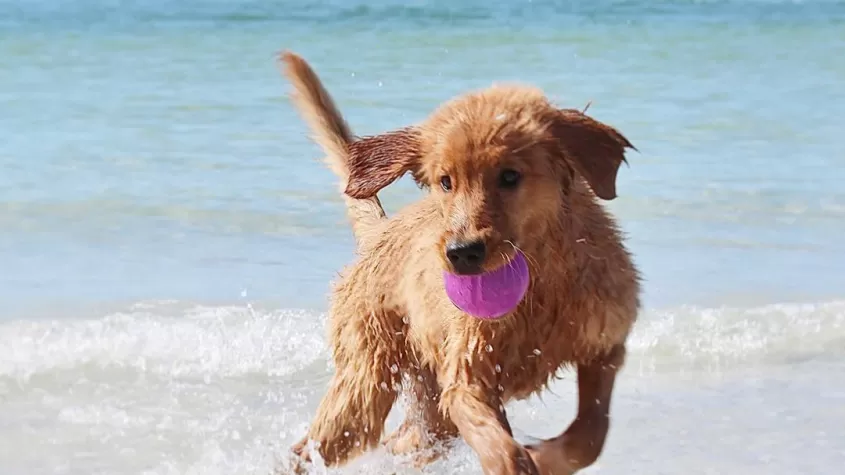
(490, 295)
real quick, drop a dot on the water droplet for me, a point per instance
(501, 117)
(537, 351)
(357, 443)
(346, 433)
(383, 386)
(394, 368)
(489, 348)
(498, 368)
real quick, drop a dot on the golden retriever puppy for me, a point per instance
(506, 173)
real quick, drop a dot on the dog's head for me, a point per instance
(501, 162)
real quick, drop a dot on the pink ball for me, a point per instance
(491, 295)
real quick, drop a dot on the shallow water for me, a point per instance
(167, 234)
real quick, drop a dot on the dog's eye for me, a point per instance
(446, 183)
(509, 178)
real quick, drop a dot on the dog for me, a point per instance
(504, 171)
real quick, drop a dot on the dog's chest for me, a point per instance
(522, 366)
(532, 346)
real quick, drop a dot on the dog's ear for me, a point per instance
(377, 161)
(595, 150)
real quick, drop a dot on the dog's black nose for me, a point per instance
(466, 257)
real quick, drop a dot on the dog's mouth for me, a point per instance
(493, 294)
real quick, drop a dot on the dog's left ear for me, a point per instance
(377, 161)
(594, 149)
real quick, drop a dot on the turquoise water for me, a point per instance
(167, 233)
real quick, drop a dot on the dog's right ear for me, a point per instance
(377, 161)
(594, 149)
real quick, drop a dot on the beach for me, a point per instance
(168, 234)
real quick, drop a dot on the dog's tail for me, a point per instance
(330, 131)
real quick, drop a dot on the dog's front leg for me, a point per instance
(581, 444)
(480, 418)
(350, 418)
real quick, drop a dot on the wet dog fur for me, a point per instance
(502, 166)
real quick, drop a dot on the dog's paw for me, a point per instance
(406, 439)
(550, 459)
(412, 443)
(291, 466)
(297, 460)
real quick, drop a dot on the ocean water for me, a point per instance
(168, 235)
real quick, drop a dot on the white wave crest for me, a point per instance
(202, 342)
